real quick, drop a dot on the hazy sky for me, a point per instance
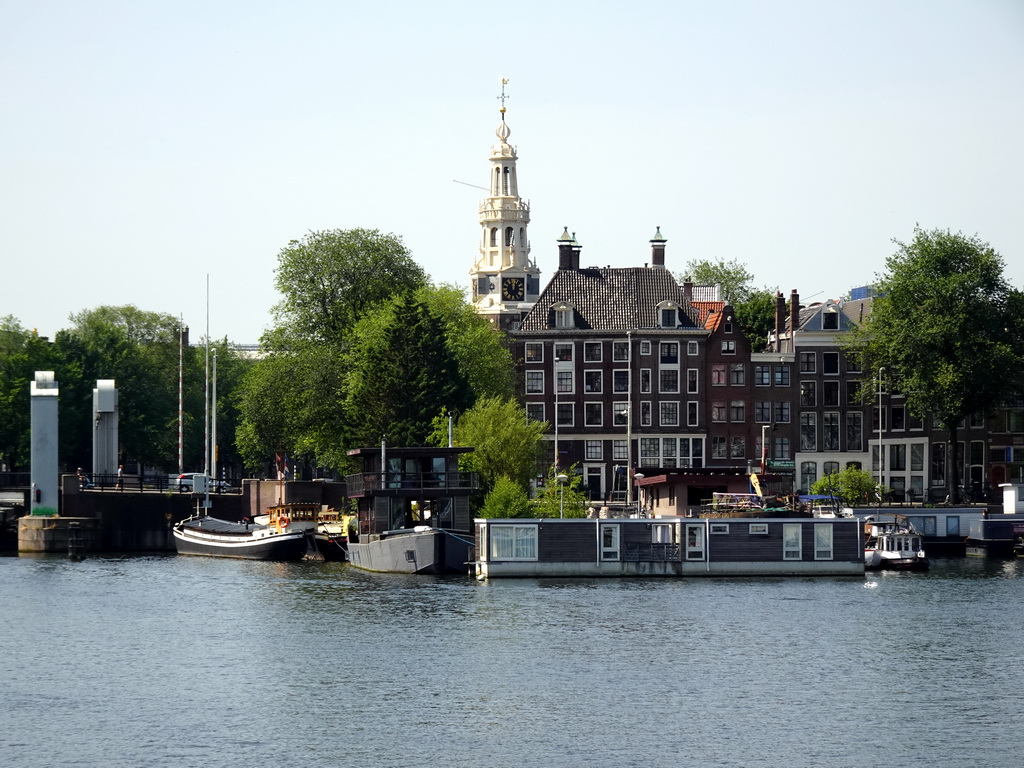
(145, 144)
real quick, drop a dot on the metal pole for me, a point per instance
(181, 395)
(881, 448)
(213, 420)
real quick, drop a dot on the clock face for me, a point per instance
(512, 289)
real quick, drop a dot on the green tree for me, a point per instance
(756, 318)
(947, 329)
(506, 444)
(328, 279)
(507, 499)
(22, 353)
(733, 277)
(563, 499)
(852, 486)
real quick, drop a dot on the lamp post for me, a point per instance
(638, 476)
(881, 448)
(561, 478)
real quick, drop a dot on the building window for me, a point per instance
(791, 543)
(830, 321)
(808, 431)
(620, 450)
(669, 352)
(830, 394)
(620, 381)
(830, 431)
(514, 542)
(668, 318)
(718, 375)
(717, 447)
(737, 375)
(898, 457)
(830, 363)
(668, 380)
(535, 382)
(782, 376)
(718, 411)
(592, 351)
(620, 414)
(823, 540)
(737, 411)
(692, 380)
(938, 473)
(899, 417)
(782, 413)
(594, 451)
(563, 318)
(854, 430)
(762, 375)
(808, 475)
(728, 347)
(763, 411)
(620, 351)
(563, 353)
(807, 362)
(645, 413)
(737, 447)
(592, 382)
(592, 414)
(535, 411)
(830, 468)
(917, 457)
(645, 379)
(669, 414)
(645, 347)
(534, 352)
(564, 382)
(692, 414)
(853, 393)
(808, 394)
(564, 414)
(782, 450)
(691, 348)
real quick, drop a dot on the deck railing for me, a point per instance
(369, 482)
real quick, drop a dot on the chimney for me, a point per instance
(568, 251)
(658, 250)
(688, 288)
(794, 317)
(780, 319)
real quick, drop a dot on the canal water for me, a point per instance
(176, 661)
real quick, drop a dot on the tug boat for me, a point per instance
(209, 536)
(893, 545)
(327, 527)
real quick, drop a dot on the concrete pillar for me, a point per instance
(104, 433)
(45, 479)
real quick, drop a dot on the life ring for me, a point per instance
(282, 522)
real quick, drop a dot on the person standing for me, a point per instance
(120, 477)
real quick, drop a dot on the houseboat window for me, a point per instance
(514, 542)
(791, 544)
(823, 541)
(926, 524)
(719, 528)
(661, 533)
(694, 542)
(952, 525)
(758, 529)
(915, 544)
(609, 542)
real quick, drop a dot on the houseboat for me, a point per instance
(412, 509)
(669, 546)
(893, 544)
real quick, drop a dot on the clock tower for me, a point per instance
(505, 283)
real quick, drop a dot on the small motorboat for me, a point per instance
(893, 545)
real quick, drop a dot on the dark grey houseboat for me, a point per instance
(669, 546)
(413, 510)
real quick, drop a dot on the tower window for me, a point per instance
(494, 236)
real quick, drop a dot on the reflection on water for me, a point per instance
(197, 662)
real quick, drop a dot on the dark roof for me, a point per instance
(611, 298)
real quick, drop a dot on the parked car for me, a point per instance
(190, 482)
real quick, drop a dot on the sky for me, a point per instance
(150, 148)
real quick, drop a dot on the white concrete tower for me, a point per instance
(505, 282)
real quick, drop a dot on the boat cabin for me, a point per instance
(405, 488)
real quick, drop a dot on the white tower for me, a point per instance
(43, 394)
(104, 433)
(505, 282)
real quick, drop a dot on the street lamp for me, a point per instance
(881, 448)
(638, 476)
(561, 478)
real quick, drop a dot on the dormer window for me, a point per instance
(563, 316)
(668, 315)
(830, 320)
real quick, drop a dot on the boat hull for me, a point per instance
(333, 548)
(873, 561)
(223, 539)
(429, 551)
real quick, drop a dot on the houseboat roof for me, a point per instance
(407, 451)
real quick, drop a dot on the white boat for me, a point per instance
(209, 536)
(893, 545)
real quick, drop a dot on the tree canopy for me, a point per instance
(946, 328)
(754, 307)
